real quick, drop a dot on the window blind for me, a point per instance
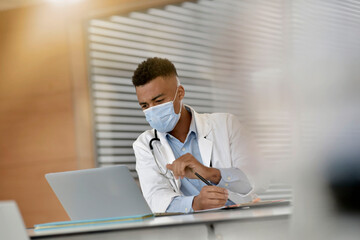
(229, 55)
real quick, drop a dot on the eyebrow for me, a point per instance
(153, 99)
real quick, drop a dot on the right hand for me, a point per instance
(210, 197)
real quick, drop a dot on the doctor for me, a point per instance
(182, 142)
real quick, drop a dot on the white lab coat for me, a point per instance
(221, 141)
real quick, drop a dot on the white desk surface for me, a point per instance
(197, 218)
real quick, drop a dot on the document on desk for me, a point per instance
(91, 222)
(164, 214)
(210, 209)
(259, 204)
(249, 204)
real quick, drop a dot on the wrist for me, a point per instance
(214, 175)
(195, 203)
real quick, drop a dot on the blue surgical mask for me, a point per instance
(163, 117)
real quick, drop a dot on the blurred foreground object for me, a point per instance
(343, 174)
(325, 73)
(11, 224)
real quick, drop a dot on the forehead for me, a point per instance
(159, 85)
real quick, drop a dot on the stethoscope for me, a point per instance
(165, 172)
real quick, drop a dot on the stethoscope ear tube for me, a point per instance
(153, 139)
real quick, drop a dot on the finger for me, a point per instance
(220, 189)
(185, 156)
(181, 168)
(217, 203)
(181, 158)
(176, 172)
(214, 204)
(215, 189)
(218, 196)
(174, 166)
(192, 161)
(178, 169)
(170, 167)
(189, 172)
(184, 165)
(220, 202)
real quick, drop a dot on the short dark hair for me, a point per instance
(152, 68)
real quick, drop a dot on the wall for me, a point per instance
(36, 110)
(45, 123)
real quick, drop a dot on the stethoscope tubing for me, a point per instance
(155, 159)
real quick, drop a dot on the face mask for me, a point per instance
(163, 117)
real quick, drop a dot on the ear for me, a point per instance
(181, 92)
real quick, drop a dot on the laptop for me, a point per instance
(98, 193)
(11, 222)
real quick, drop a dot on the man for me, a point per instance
(184, 142)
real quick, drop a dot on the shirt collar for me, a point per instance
(192, 124)
(192, 128)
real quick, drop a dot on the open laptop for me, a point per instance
(98, 193)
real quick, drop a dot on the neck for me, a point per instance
(182, 127)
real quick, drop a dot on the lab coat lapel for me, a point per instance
(204, 137)
(205, 147)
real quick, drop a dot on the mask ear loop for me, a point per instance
(180, 100)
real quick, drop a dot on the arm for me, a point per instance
(181, 204)
(235, 180)
(238, 177)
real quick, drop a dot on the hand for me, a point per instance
(210, 197)
(186, 165)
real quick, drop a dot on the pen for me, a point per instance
(203, 179)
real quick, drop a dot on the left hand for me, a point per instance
(186, 165)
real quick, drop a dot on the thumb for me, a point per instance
(169, 166)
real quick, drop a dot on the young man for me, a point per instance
(184, 142)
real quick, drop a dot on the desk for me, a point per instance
(221, 224)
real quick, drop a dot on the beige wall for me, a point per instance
(45, 123)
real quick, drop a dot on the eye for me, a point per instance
(144, 106)
(159, 101)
